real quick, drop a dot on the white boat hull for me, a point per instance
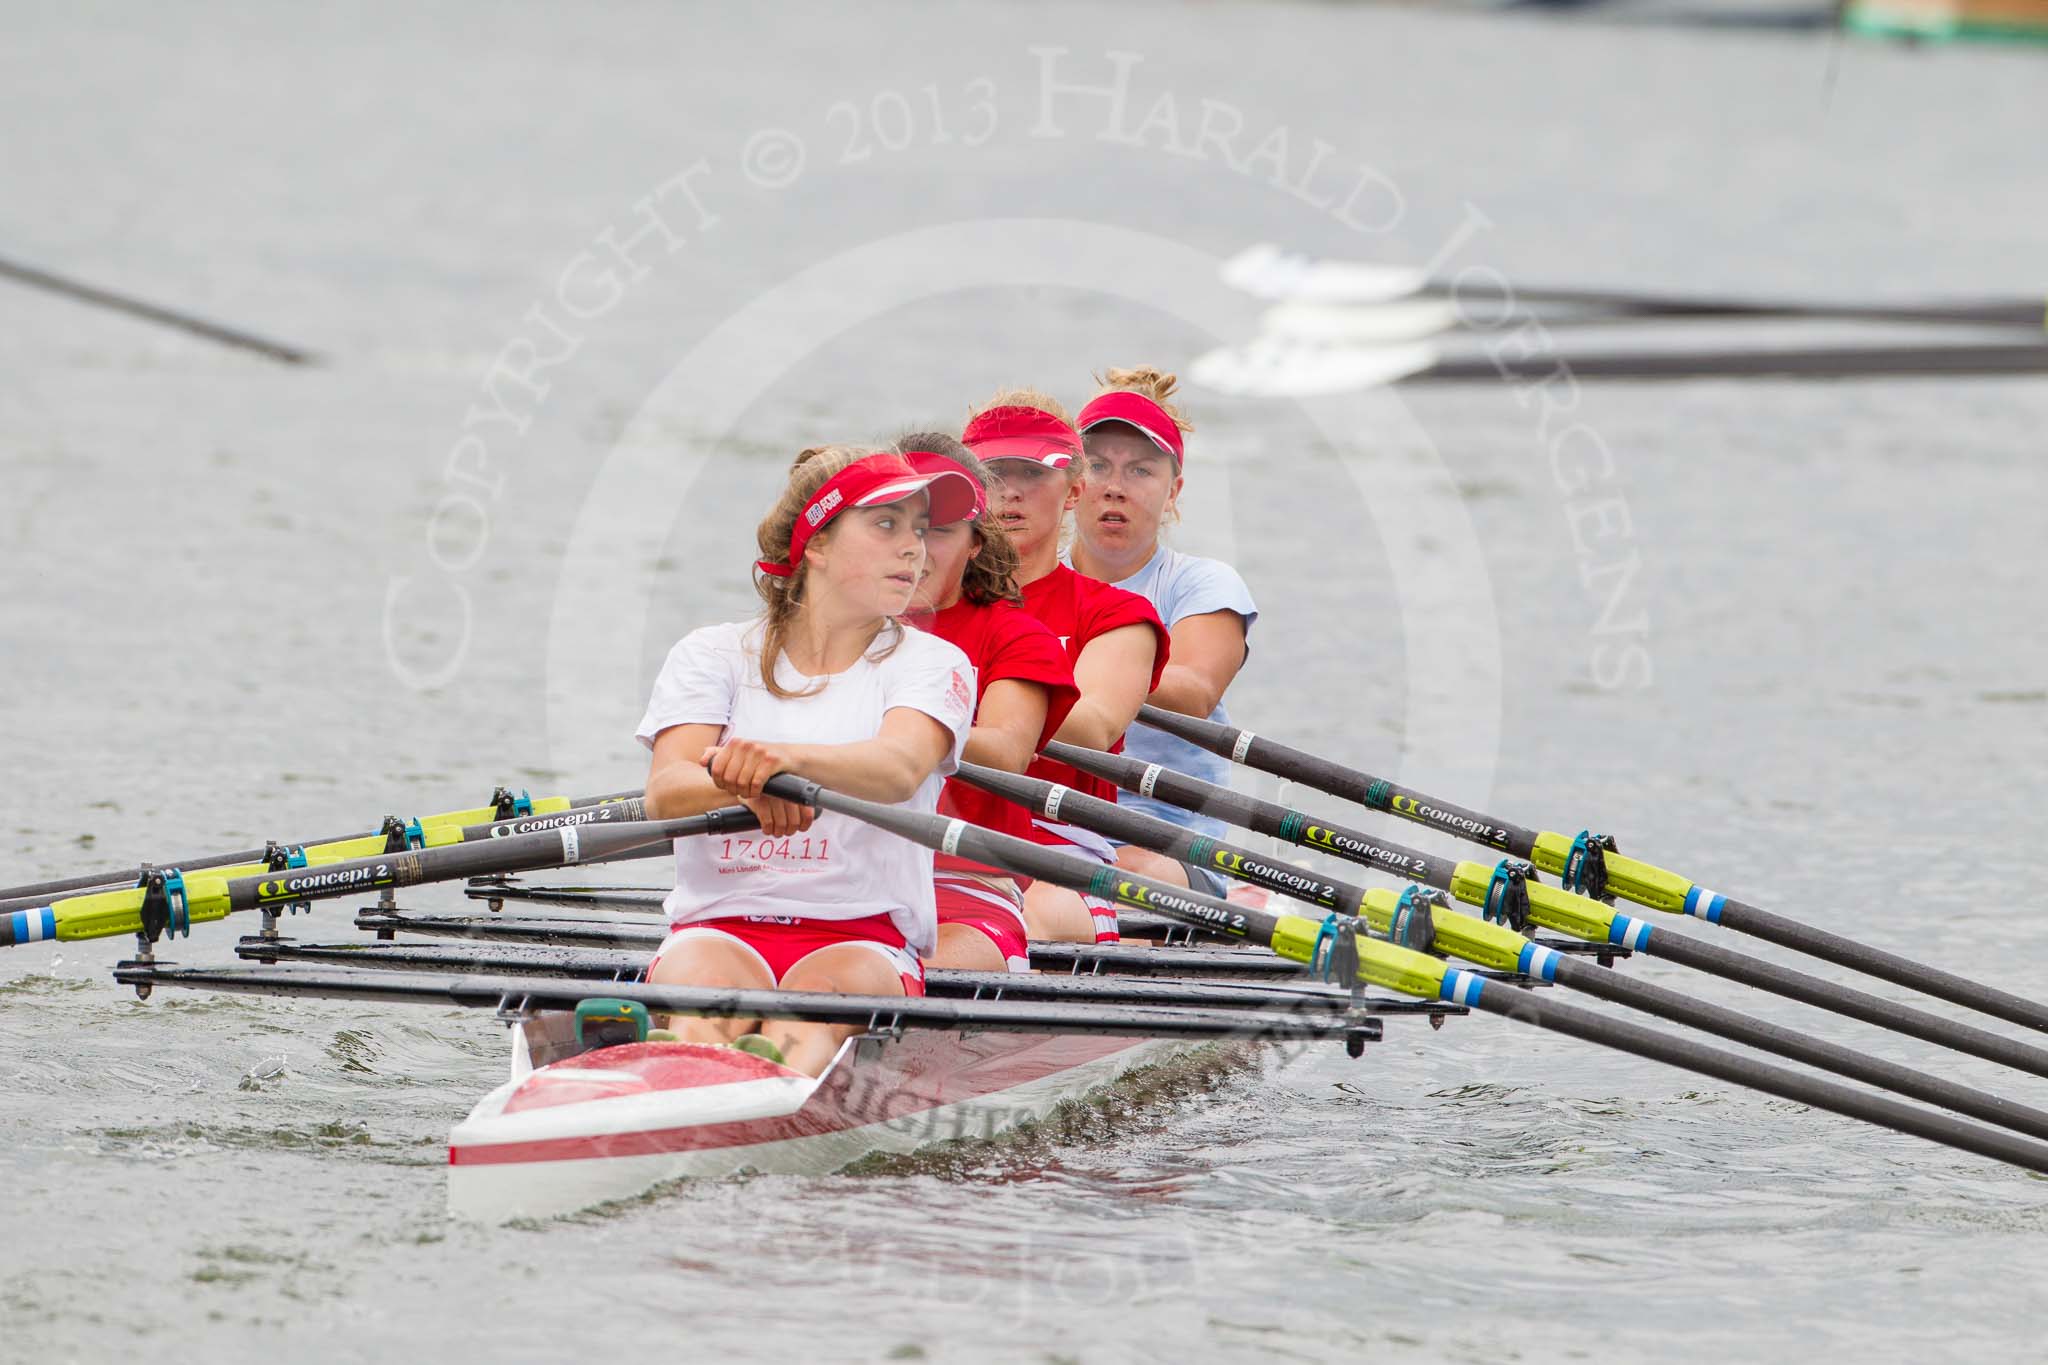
(612, 1124)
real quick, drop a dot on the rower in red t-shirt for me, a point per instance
(1024, 689)
(1115, 639)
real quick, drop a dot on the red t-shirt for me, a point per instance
(1002, 642)
(1077, 608)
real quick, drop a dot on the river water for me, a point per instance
(584, 277)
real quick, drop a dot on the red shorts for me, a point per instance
(979, 906)
(780, 942)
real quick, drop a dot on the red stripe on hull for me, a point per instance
(919, 1073)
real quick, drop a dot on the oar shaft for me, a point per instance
(603, 964)
(1283, 760)
(1223, 918)
(40, 893)
(1056, 802)
(1887, 966)
(488, 991)
(1827, 362)
(1495, 945)
(1843, 1000)
(1969, 312)
(104, 914)
(1410, 973)
(1530, 1008)
(1298, 281)
(1258, 815)
(1800, 1047)
(150, 312)
(1631, 878)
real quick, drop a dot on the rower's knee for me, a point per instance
(713, 963)
(1146, 863)
(1056, 915)
(845, 969)
(848, 968)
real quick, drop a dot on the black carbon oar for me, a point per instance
(1605, 871)
(1277, 366)
(150, 312)
(1476, 884)
(1268, 272)
(1494, 945)
(594, 964)
(504, 806)
(1355, 956)
(1813, 362)
(884, 1012)
(602, 932)
(563, 839)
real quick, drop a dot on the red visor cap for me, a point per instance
(931, 462)
(1136, 410)
(1021, 433)
(871, 482)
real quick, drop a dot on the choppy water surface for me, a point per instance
(219, 584)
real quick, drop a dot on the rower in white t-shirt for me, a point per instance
(1133, 451)
(848, 697)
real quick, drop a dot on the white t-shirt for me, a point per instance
(840, 868)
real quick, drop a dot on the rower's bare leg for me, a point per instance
(964, 948)
(1157, 866)
(709, 961)
(1055, 914)
(846, 968)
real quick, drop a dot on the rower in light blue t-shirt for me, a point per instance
(1179, 586)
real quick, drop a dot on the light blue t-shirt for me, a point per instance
(1179, 586)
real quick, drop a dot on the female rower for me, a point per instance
(1025, 689)
(827, 684)
(1131, 477)
(1114, 638)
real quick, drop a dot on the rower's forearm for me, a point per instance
(682, 790)
(872, 770)
(1187, 691)
(994, 747)
(1090, 726)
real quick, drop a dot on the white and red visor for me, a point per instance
(873, 481)
(1136, 410)
(1022, 433)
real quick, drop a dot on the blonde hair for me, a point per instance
(783, 598)
(1154, 384)
(1024, 398)
(991, 572)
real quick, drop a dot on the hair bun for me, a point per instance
(1153, 383)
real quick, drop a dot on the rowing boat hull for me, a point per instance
(613, 1124)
